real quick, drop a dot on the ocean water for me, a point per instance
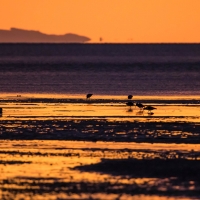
(101, 69)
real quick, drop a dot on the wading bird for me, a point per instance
(130, 96)
(88, 96)
(140, 106)
(130, 104)
(149, 108)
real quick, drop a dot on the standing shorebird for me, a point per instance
(130, 96)
(149, 108)
(140, 106)
(130, 104)
(88, 96)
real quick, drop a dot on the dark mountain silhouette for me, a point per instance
(29, 36)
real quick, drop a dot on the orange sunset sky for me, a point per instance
(113, 20)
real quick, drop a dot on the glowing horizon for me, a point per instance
(115, 21)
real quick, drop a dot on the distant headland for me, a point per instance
(15, 35)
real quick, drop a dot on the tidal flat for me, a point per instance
(54, 169)
(73, 148)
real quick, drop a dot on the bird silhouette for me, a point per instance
(149, 108)
(1, 112)
(130, 104)
(140, 106)
(130, 96)
(88, 96)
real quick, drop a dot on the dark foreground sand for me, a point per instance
(55, 169)
(101, 130)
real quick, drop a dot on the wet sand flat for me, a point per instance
(173, 120)
(73, 148)
(39, 169)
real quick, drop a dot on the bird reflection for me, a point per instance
(140, 112)
(150, 113)
(130, 110)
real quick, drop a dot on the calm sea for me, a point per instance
(103, 69)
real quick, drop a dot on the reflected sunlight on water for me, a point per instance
(47, 165)
(72, 148)
(115, 110)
